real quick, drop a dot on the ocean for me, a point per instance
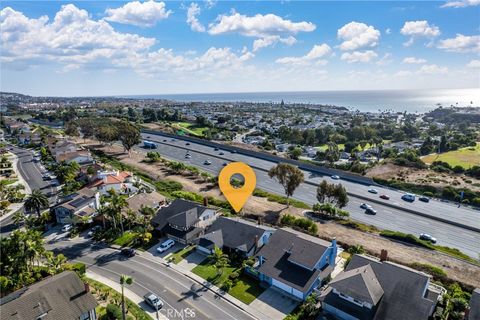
(418, 101)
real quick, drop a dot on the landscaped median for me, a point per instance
(243, 288)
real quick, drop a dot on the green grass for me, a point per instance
(133, 309)
(181, 254)
(464, 157)
(246, 289)
(126, 239)
(190, 128)
(280, 199)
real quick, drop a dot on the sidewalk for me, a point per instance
(14, 207)
(254, 312)
(128, 293)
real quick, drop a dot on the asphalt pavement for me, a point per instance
(386, 218)
(32, 174)
(182, 296)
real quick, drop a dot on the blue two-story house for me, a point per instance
(295, 262)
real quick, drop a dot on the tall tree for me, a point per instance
(18, 218)
(219, 260)
(129, 135)
(36, 201)
(289, 176)
(335, 194)
(124, 280)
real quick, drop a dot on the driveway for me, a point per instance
(274, 303)
(192, 260)
(153, 249)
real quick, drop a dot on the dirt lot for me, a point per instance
(270, 212)
(422, 176)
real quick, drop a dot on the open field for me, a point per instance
(464, 157)
(190, 128)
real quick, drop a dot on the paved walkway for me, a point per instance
(128, 294)
(259, 312)
(192, 260)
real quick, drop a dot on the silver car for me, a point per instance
(153, 301)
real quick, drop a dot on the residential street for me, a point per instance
(180, 294)
(32, 174)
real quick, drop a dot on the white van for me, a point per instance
(165, 245)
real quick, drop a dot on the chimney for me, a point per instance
(205, 201)
(87, 287)
(383, 255)
(255, 243)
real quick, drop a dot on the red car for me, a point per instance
(385, 197)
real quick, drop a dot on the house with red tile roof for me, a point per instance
(120, 181)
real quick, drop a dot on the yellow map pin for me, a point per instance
(237, 196)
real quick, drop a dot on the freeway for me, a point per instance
(388, 217)
(180, 294)
(32, 174)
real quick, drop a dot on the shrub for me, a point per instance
(187, 196)
(437, 272)
(227, 285)
(78, 267)
(302, 223)
(114, 312)
(406, 237)
(168, 186)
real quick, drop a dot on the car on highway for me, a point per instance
(165, 245)
(207, 162)
(385, 197)
(164, 140)
(148, 137)
(371, 211)
(373, 190)
(408, 197)
(128, 252)
(424, 199)
(221, 153)
(173, 139)
(188, 156)
(153, 301)
(187, 144)
(365, 206)
(234, 151)
(224, 164)
(216, 149)
(335, 177)
(427, 237)
(67, 227)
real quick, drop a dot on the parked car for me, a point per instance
(427, 237)
(335, 177)
(153, 301)
(408, 197)
(67, 227)
(372, 190)
(371, 211)
(165, 245)
(365, 206)
(424, 199)
(385, 197)
(207, 162)
(93, 230)
(128, 252)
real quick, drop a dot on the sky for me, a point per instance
(95, 48)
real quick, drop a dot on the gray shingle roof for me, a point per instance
(60, 297)
(360, 284)
(474, 305)
(237, 233)
(180, 213)
(278, 264)
(404, 294)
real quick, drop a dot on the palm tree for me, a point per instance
(36, 201)
(124, 280)
(54, 263)
(117, 203)
(18, 217)
(219, 259)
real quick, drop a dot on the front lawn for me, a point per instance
(246, 289)
(126, 239)
(181, 254)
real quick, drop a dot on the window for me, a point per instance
(85, 316)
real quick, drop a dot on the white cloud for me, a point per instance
(413, 60)
(388, 31)
(403, 73)
(416, 29)
(210, 3)
(432, 69)
(192, 20)
(385, 60)
(474, 64)
(72, 38)
(142, 14)
(461, 4)
(269, 29)
(359, 56)
(314, 55)
(358, 35)
(460, 44)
